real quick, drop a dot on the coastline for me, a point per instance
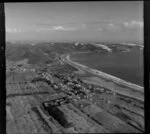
(105, 76)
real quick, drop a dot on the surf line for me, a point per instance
(103, 75)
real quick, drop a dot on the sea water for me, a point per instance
(125, 65)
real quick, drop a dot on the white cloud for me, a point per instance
(13, 30)
(133, 24)
(61, 28)
(57, 28)
(111, 25)
(116, 26)
(8, 30)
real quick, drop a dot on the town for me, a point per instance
(55, 91)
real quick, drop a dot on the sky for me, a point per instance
(112, 21)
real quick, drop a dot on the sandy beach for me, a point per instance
(113, 83)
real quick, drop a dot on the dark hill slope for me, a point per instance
(45, 52)
(34, 54)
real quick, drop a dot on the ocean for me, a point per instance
(125, 65)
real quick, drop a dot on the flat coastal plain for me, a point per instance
(100, 78)
(94, 103)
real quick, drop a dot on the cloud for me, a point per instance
(52, 24)
(133, 24)
(57, 28)
(112, 26)
(61, 28)
(117, 26)
(73, 26)
(13, 30)
(103, 25)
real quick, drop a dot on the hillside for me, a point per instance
(46, 52)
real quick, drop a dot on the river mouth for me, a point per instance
(125, 65)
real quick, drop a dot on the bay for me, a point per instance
(125, 65)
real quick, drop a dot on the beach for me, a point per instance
(113, 83)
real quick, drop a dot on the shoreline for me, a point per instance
(103, 75)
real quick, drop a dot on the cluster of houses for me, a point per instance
(74, 87)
